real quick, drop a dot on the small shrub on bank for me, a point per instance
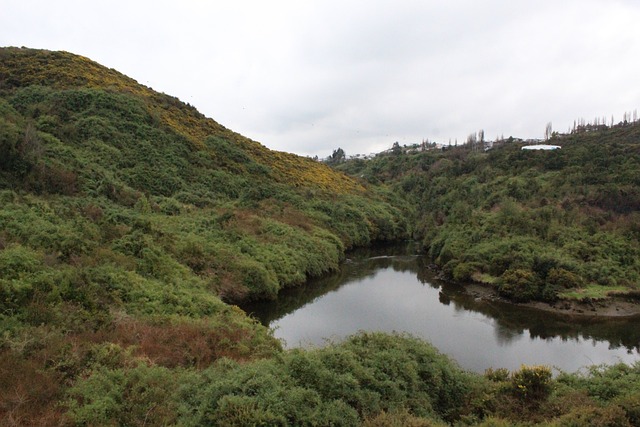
(519, 285)
(532, 383)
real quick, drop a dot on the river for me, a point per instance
(375, 291)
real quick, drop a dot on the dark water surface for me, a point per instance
(376, 292)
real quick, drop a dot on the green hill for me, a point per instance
(115, 154)
(66, 86)
(540, 225)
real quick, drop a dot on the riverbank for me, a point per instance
(609, 307)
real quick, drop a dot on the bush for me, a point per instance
(519, 285)
(257, 278)
(631, 406)
(17, 261)
(342, 384)
(11, 159)
(401, 418)
(29, 394)
(564, 279)
(143, 395)
(532, 384)
(610, 416)
(497, 375)
(463, 272)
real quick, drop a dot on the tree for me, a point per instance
(338, 156)
(471, 139)
(548, 131)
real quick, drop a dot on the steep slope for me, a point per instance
(116, 153)
(62, 71)
(125, 217)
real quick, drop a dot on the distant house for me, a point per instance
(541, 147)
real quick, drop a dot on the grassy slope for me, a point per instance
(539, 224)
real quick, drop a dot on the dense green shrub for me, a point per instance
(463, 272)
(564, 279)
(519, 285)
(342, 384)
(143, 395)
(594, 416)
(532, 384)
(565, 215)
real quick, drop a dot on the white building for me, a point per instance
(541, 147)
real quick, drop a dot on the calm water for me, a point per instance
(399, 293)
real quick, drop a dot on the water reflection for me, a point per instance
(373, 291)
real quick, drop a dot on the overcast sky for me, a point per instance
(310, 76)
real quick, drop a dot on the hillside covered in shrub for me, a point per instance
(537, 224)
(127, 218)
(130, 224)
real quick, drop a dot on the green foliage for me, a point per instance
(594, 417)
(465, 271)
(342, 384)
(401, 418)
(126, 160)
(369, 379)
(630, 404)
(606, 383)
(532, 383)
(142, 395)
(16, 261)
(126, 216)
(11, 139)
(519, 285)
(547, 223)
(564, 279)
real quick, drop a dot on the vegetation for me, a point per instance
(337, 385)
(539, 225)
(130, 224)
(127, 218)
